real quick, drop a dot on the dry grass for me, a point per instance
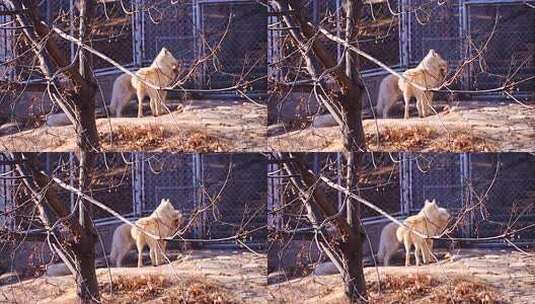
(420, 288)
(419, 138)
(143, 138)
(161, 289)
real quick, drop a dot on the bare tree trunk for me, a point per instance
(354, 281)
(351, 98)
(80, 108)
(346, 107)
(343, 245)
(87, 142)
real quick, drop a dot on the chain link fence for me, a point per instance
(229, 189)
(132, 33)
(493, 193)
(378, 35)
(496, 40)
(379, 183)
(242, 205)
(241, 29)
(505, 35)
(436, 176)
(505, 186)
(169, 25)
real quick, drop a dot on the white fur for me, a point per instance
(429, 74)
(392, 234)
(121, 94)
(388, 243)
(163, 222)
(430, 221)
(122, 242)
(160, 73)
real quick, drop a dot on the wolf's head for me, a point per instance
(439, 217)
(435, 64)
(166, 60)
(168, 213)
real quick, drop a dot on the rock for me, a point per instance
(277, 277)
(56, 270)
(322, 121)
(56, 120)
(9, 278)
(326, 268)
(10, 128)
(276, 129)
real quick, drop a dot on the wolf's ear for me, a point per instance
(432, 52)
(426, 202)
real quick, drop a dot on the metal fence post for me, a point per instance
(404, 34)
(137, 184)
(198, 229)
(137, 33)
(405, 184)
(464, 32)
(466, 197)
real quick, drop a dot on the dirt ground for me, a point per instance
(464, 127)
(236, 276)
(508, 276)
(201, 126)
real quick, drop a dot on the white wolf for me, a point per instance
(163, 222)
(161, 73)
(429, 74)
(431, 220)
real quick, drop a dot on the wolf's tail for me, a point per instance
(122, 91)
(379, 106)
(381, 252)
(118, 246)
(114, 254)
(114, 100)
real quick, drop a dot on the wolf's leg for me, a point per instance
(154, 95)
(417, 250)
(154, 254)
(428, 99)
(407, 99)
(407, 244)
(122, 102)
(161, 103)
(386, 259)
(120, 257)
(420, 104)
(423, 251)
(429, 251)
(140, 95)
(140, 243)
(389, 251)
(386, 108)
(163, 250)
